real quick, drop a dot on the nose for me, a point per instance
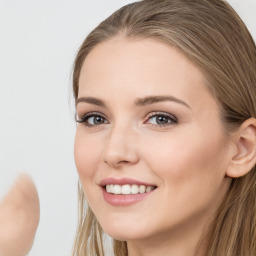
(121, 148)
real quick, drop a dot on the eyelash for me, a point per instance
(172, 120)
(84, 119)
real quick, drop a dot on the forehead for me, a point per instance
(138, 68)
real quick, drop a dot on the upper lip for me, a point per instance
(123, 181)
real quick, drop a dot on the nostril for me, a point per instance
(124, 162)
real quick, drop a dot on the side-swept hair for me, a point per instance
(213, 37)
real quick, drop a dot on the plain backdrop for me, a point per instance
(38, 43)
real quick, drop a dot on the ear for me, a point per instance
(244, 157)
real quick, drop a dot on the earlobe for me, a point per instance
(244, 158)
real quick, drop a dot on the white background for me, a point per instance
(38, 42)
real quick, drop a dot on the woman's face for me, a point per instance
(150, 130)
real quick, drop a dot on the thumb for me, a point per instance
(19, 218)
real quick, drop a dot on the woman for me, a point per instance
(165, 144)
(166, 138)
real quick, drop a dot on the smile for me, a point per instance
(125, 191)
(128, 189)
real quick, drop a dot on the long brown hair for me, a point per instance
(213, 37)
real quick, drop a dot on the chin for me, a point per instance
(123, 232)
(123, 236)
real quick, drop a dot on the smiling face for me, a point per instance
(147, 121)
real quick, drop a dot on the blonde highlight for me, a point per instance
(215, 39)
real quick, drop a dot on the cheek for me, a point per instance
(87, 158)
(87, 155)
(191, 174)
(188, 159)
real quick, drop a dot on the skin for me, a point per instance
(19, 218)
(187, 160)
(190, 159)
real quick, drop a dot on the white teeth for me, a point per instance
(135, 189)
(128, 189)
(142, 189)
(149, 188)
(117, 189)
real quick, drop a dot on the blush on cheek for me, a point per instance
(81, 158)
(178, 161)
(87, 155)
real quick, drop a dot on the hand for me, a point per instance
(19, 218)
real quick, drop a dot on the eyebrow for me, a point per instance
(154, 99)
(91, 100)
(138, 102)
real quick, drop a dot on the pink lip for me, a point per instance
(124, 200)
(122, 181)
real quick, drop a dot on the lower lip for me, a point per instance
(124, 200)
